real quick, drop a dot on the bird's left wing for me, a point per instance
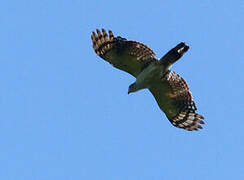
(175, 100)
(129, 56)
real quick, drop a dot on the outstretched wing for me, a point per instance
(129, 56)
(175, 100)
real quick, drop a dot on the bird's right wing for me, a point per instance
(129, 56)
(175, 100)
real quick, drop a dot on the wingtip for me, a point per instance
(111, 36)
(103, 31)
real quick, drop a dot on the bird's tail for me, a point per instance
(174, 54)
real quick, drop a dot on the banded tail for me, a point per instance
(174, 54)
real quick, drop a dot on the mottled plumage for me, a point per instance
(169, 89)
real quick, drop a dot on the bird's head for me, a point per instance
(132, 88)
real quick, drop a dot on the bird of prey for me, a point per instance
(168, 88)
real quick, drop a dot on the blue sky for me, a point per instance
(65, 113)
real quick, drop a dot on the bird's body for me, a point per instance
(147, 77)
(169, 89)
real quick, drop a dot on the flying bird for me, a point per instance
(168, 88)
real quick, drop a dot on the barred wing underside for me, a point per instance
(175, 100)
(129, 56)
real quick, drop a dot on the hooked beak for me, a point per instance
(129, 91)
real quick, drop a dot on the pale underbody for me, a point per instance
(148, 77)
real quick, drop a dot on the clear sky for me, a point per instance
(66, 115)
